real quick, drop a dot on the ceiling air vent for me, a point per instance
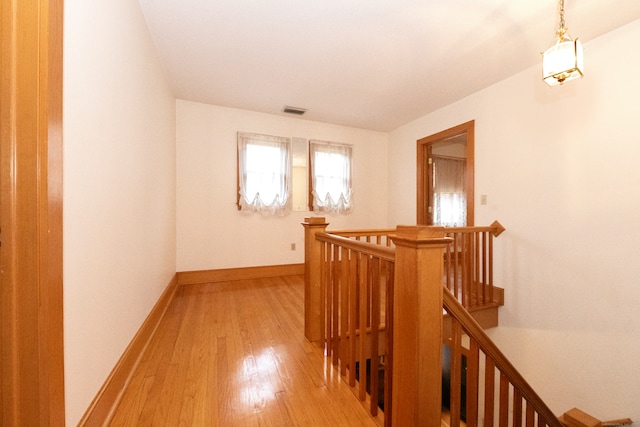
(294, 110)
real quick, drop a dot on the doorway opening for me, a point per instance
(445, 162)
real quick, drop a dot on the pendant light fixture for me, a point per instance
(563, 61)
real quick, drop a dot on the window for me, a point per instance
(449, 198)
(330, 177)
(264, 173)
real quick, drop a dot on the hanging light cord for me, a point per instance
(562, 30)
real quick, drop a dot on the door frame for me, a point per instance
(423, 152)
(31, 335)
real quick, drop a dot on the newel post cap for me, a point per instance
(315, 221)
(420, 235)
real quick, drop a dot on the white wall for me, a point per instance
(560, 170)
(119, 188)
(212, 234)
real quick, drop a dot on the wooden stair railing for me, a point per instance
(356, 278)
(468, 263)
(517, 403)
(382, 302)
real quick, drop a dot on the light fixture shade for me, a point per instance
(562, 62)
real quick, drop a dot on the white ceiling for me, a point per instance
(373, 64)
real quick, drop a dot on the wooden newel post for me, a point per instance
(313, 297)
(417, 326)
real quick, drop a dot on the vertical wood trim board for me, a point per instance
(106, 401)
(31, 331)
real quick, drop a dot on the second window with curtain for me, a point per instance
(330, 177)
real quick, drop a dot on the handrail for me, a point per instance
(495, 228)
(383, 252)
(365, 232)
(500, 362)
(381, 236)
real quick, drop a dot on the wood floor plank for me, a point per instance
(196, 366)
(151, 371)
(234, 354)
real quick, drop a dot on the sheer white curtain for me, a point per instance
(330, 176)
(449, 196)
(264, 173)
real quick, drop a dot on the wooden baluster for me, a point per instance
(504, 401)
(362, 353)
(459, 267)
(466, 290)
(369, 286)
(541, 422)
(335, 304)
(490, 268)
(456, 374)
(483, 268)
(448, 270)
(313, 292)
(473, 371)
(530, 415)
(487, 269)
(375, 326)
(353, 315)
(388, 369)
(328, 289)
(497, 229)
(470, 269)
(517, 407)
(489, 391)
(344, 310)
(473, 294)
(456, 266)
(417, 326)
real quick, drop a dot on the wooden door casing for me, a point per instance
(31, 336)
(423, 152)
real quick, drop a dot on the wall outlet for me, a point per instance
(293, 246)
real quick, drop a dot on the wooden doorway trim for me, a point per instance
(31, 335)
(424, 146)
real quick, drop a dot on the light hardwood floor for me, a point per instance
(234, 354)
